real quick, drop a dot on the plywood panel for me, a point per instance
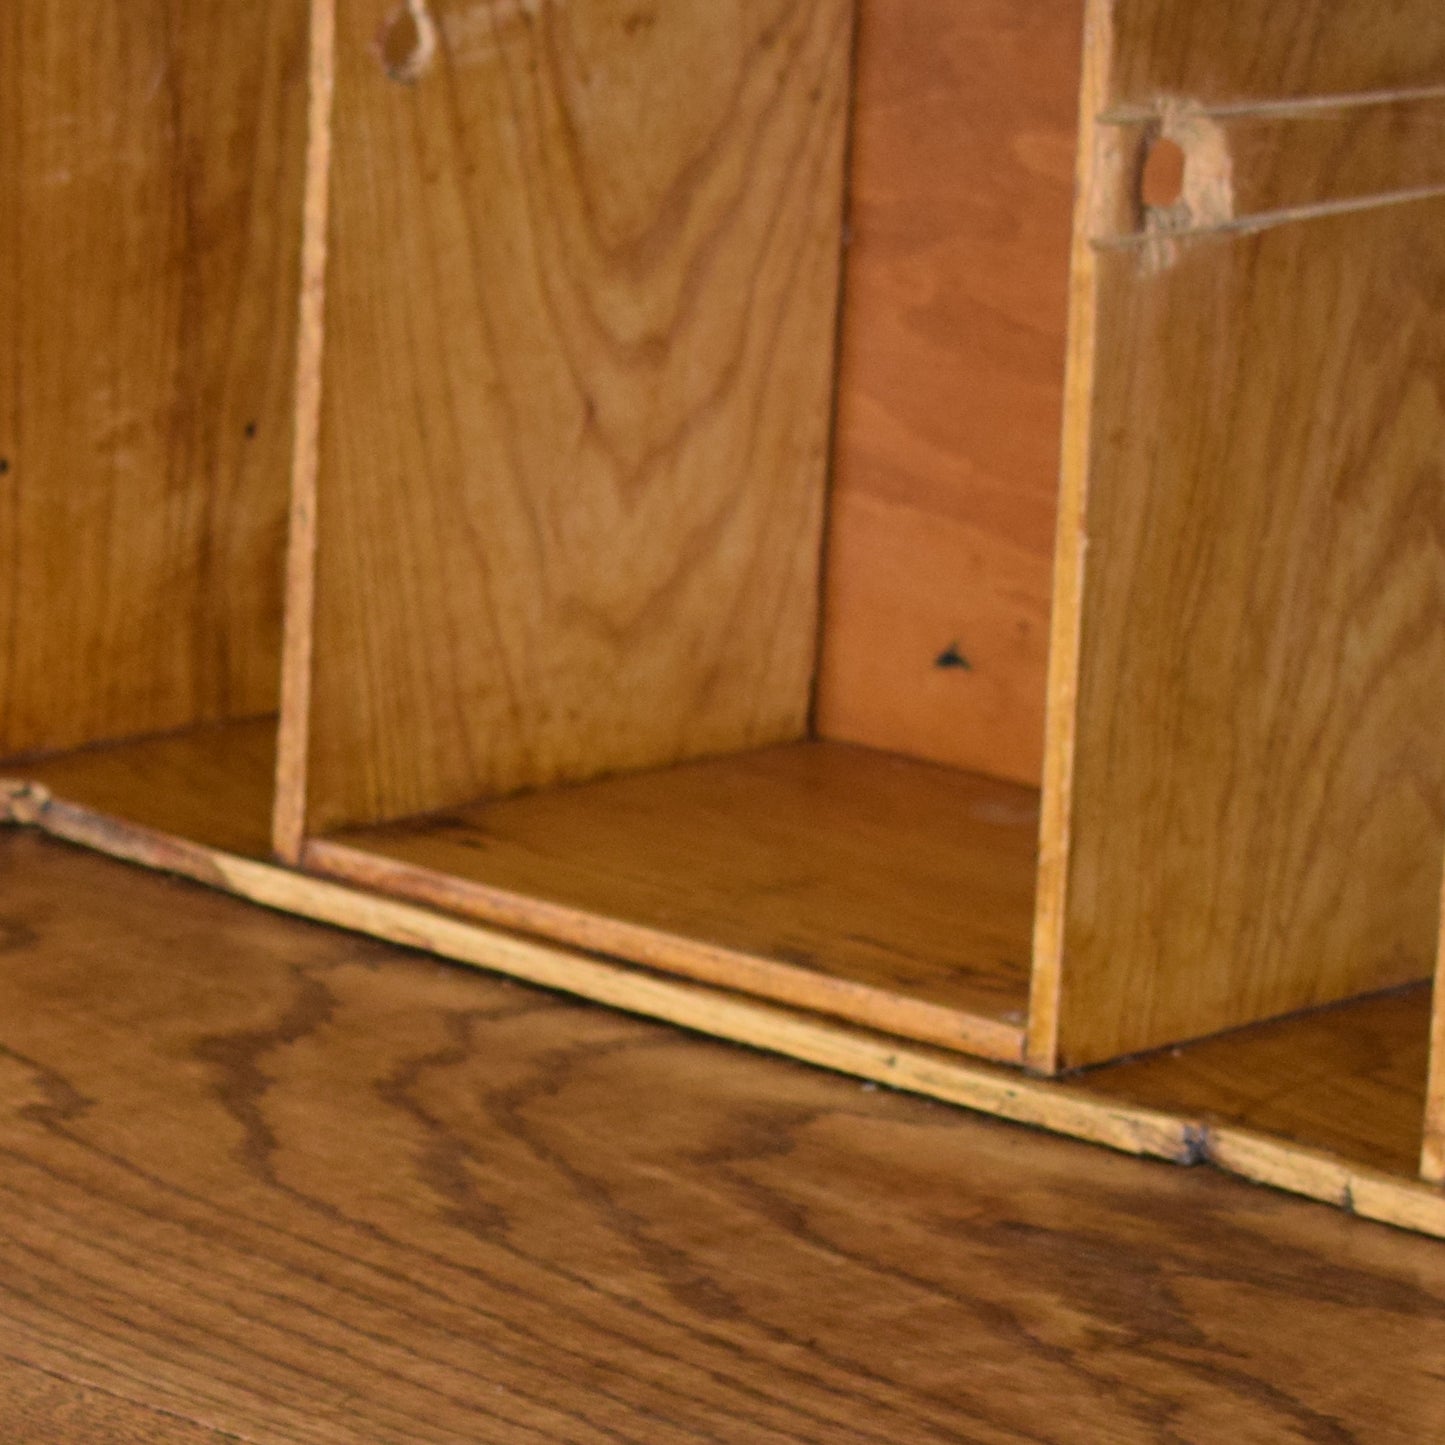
(888, 891)
(151, 169)
(209, 785)
(1348, 1079)
(581, 304)
(1258, 790)
(950, 398)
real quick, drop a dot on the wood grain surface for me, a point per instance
(581, 299)
(294, 1186)
(1258, 797)
(43, 1407)
(940, 537)
(152, 183)
(210, 785)
(895, 893)
(1348, 1079)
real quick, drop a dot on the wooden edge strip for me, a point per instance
(762, 977)
(1094, 170)
(1432, 1149)
(1356, 1188)
(293, 731)
(980, 1087)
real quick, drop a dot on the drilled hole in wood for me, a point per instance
(407, 42)
(1161, 178)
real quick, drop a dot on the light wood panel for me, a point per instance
(577, 391)
(1258, 794)
(1348, 1079)
(877, 888)
(940, 534)
(210, 785)
(306, 1188)
(151, 175)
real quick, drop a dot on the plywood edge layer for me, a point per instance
(1095, 169)
(982, 1088)
(755, 974)
(293, 734)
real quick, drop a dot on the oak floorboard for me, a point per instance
(309, 1187)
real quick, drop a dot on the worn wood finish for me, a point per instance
(940, 536)
(305, 1187)
(152, 184)
(1348, 1080)
(891, 892)
(50, 1407)
(1263, 624)
(577, 391)
(1272, 160)
(210, 785)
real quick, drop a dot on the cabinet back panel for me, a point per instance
(581, 302)
(940, 539)
(1258, 800)
(151, 169)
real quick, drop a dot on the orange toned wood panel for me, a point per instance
(151, 170)
(1349, 1079)
(1258, 797)
(876, 888)
(940, 537)
(581, 304)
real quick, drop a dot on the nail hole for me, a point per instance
(4, 465)
(407, 42)
(1161, 179)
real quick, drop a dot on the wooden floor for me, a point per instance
(872, 887)
(265, 1181)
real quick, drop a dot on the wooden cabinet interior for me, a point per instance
(644, 599)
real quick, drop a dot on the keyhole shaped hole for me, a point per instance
(406, 43)
(1161, 179)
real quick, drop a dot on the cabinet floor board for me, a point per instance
(872, 887)
(211, 785)
(1348, 1079)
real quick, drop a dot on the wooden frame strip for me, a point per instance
(1096, 149)
(294, 733)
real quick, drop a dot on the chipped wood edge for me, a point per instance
(288, 819)
(736, 971)
(1096, 177)
(1355, 1188)
(1017, 1097)
(1432, 1149)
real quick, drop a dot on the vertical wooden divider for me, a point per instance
(1432, 1151)
(1096, 172)
(293, 737)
